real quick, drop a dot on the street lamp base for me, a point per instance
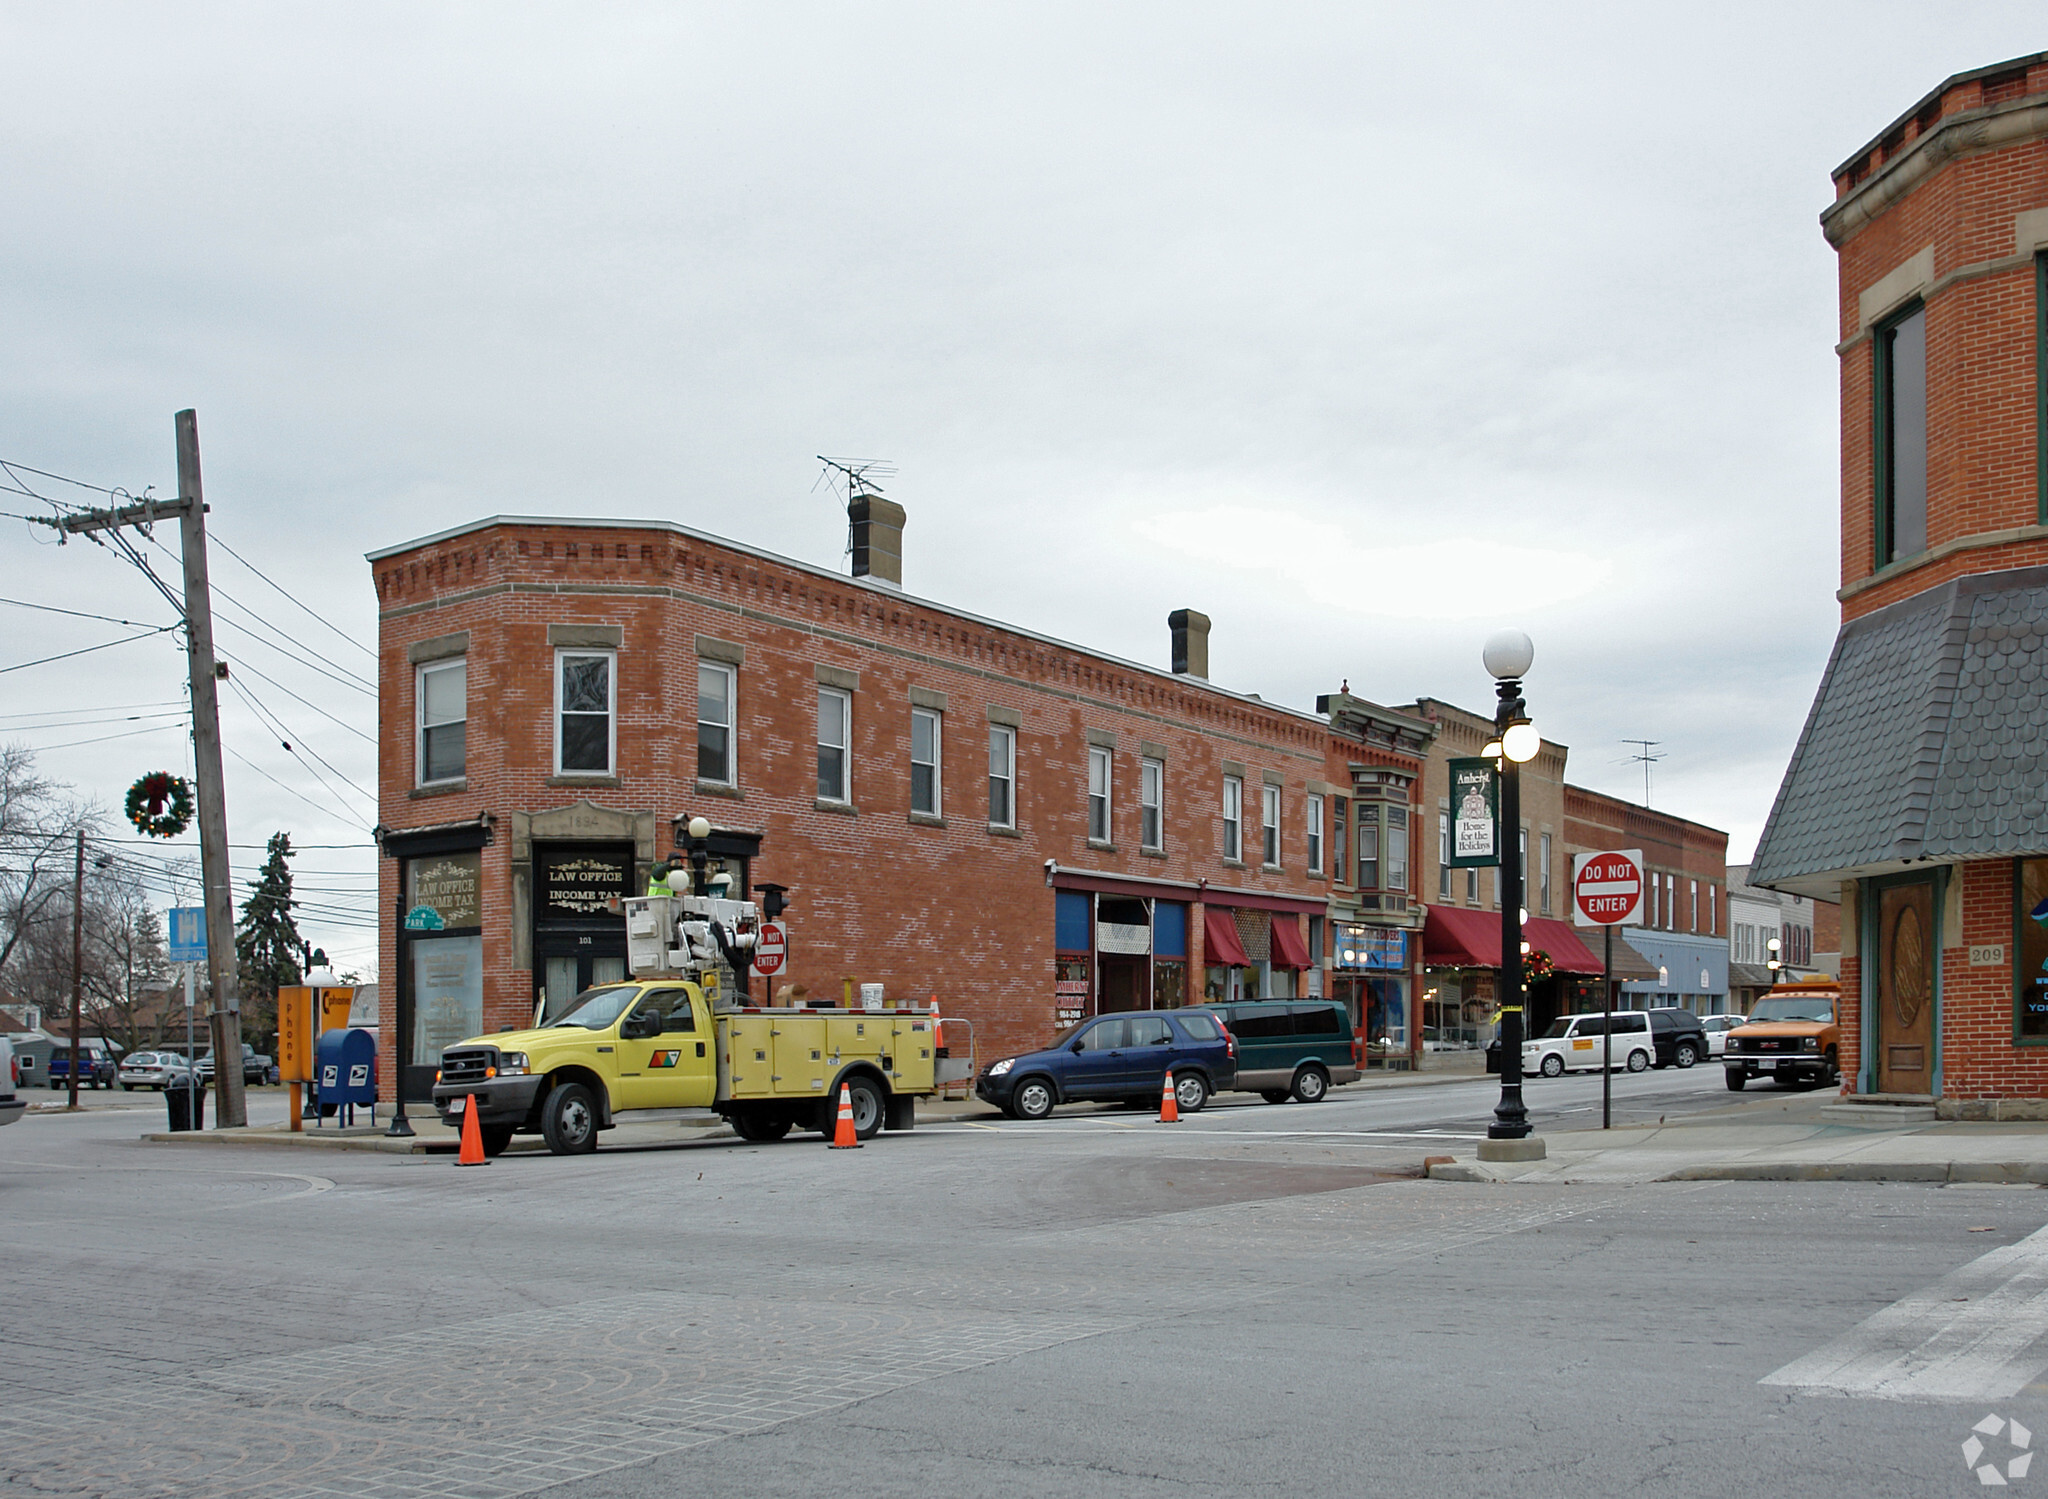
(1529, 1149)
(399, 1129)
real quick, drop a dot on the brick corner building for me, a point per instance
(1918, 793)
(961, 809)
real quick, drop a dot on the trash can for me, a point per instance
(187, 1102)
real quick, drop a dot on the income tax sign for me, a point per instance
(1607, 888)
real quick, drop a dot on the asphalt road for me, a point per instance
(1260, 1300)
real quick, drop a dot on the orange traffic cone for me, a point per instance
(1169, 1106)
(843, 1136)
(472, 1137)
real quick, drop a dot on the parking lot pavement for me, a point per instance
(1078, 1307)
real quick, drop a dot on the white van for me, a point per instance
(12, 1104)
(1572, 1044)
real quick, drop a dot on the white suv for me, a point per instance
(12, 1104)
(1572, 1044)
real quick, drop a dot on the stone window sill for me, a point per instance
(997, 830)
(844, 809)
(439, 788)
(1233, 864)
(720, 788)
(926, 820)
(1151, 853)
(1103, 844)
(580, 778)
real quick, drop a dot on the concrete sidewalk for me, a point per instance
(1807, 1137)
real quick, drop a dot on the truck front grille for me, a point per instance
(467, 1064)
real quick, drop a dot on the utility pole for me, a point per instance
(77, 957)
(217, 880)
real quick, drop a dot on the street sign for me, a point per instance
(771, 949)
(423, 919)
(1607, 888)
(1475, 814)
(188, 934)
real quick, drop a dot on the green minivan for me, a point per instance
(1290, 1048)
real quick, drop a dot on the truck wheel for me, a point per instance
(568, 1120)
(1311, 1085)
(868, 1107)
(496, 1137)
(1736, 1078)
(757, 1127)
(1033, 1099)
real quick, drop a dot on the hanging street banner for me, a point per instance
(1607, 888)
(1475, 814)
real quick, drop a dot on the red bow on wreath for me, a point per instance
(160, 805)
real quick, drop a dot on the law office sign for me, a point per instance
(1475, 814)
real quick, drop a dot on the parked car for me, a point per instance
(12, 1104)
(1791, 1037)
(1681, 1039)
(1290, 1048)
(151, 1069)
(96, 1067)
(1574, 1044)
(1717, 1028)
(1116, 1057)
(256, 1067)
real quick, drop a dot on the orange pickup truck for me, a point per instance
(1792, 1035)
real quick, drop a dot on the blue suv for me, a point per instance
(1117, 1057)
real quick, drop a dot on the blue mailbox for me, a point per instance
(346, 1073)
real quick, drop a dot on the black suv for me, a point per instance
(1681, 1039)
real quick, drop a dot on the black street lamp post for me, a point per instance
(1508, 657)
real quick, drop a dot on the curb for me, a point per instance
(2002, 1173)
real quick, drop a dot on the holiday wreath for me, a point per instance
(160, 804)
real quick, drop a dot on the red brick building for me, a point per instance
(959, 808)
(1918, 794)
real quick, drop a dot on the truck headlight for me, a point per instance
(512, 1064)
(1002, 1067)
(1810, 1043)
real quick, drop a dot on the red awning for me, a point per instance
(1454, 938)
(1567, 953)
(1220, 946)
(1289, 951)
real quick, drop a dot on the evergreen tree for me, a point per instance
(267, 942)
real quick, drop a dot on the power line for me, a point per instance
(346, 816)
(78, 614)
(286, 736)
(273, 681)
(295, 600)
(105, 645)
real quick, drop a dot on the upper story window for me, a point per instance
(1270, 826)
(925, 728)
(1443, 854)
(1152, 803)
(1340, 843)
(1395, 859)
(585, 700)
(715, 684)
(1900, 447)
(1233, 817)
(1543, 873)
(1098, 793)
(835, 758)
(1314, 805)
(1002, 776)
(442, 693)
(1367, 836)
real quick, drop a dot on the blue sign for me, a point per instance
(188, 934)
(1379, 947)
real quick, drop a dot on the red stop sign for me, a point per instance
(1607, 888)
(771, 949)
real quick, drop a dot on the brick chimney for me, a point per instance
(877, 539)
(1190, 643)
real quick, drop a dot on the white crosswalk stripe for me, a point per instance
(1973, 1335)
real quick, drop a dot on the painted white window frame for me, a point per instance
(1152, 804)
(1101, 781)
(564, 654)
(420, 724)
(1233, 818)
(844, 707)
(732, 713)
(1002, 768)
(1312, 808)
(1269, 826)
(936, 764)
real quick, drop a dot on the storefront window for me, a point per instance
(447, 994)
(1386, 1020)
(1169, 985)
(2030, 942)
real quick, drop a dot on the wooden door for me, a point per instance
(1905, 989)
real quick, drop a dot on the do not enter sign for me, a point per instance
(771, 949)
(1607, 888)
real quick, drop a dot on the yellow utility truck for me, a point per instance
(673, 1037)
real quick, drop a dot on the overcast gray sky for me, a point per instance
(1363, 329)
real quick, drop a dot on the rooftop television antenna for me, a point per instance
(856, 476)
(1644, 746)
